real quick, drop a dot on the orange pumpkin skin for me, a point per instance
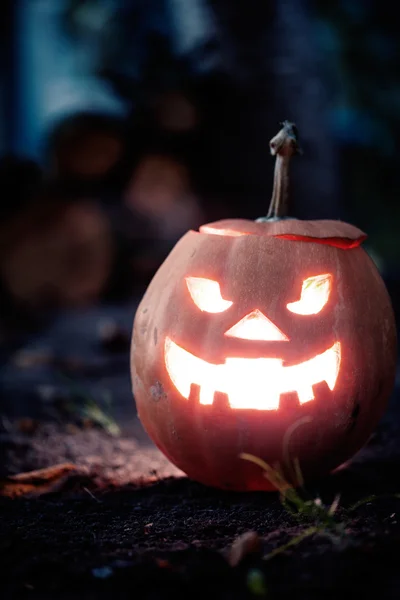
(262, 266)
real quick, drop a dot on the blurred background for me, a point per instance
(123, 123)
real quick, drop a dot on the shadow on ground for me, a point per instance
(99, 536)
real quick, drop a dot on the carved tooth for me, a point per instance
(206, 395)
(194, 393)
(261, 379)
(305, 394)
(221, 400)
(335, 352)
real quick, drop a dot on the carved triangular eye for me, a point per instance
(206, 294)
(315, 293)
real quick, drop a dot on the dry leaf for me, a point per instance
(245, 544)
(40, 481)
(163, 563)
(147, 528)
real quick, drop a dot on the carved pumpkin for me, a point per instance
(274, 338)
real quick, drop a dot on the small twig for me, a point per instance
(92, 495)
(369, 499)
(293, 542)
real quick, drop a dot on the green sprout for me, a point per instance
(86, 407)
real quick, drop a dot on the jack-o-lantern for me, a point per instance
(274, 338)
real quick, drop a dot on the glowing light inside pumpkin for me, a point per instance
(256, 326)
(206, 294)
(250, 383)
(223, 232)
(315, 293)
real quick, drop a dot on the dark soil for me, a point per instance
(128, 524)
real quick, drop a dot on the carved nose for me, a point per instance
(256, 326)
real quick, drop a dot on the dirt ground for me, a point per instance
(124, 523)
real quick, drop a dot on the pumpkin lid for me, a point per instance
(329, 232)
(333, 233)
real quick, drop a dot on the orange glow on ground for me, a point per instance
(315, 293)
(256, 326)
(250, 383)
(206, 294)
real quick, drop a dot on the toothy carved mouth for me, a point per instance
(250, 383)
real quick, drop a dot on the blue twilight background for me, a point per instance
(331, 66)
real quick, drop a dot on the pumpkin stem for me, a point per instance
(284, 145)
